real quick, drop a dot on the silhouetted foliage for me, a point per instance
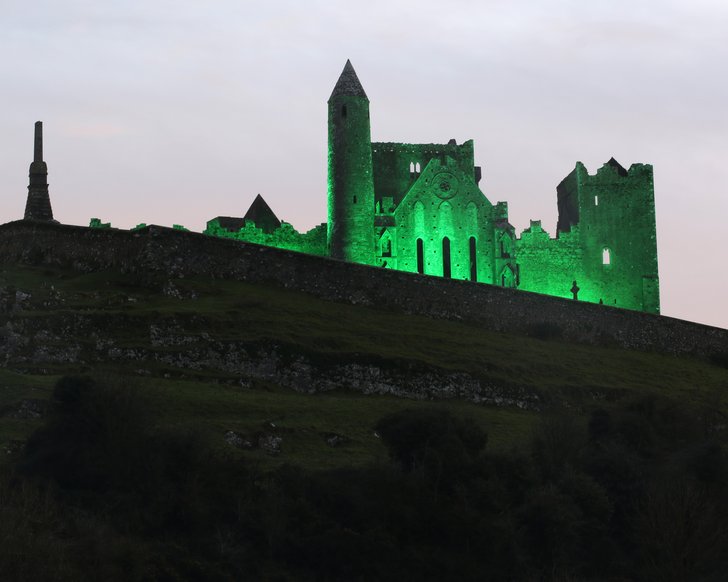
(638, 492)
(95, 437)
(431, 440)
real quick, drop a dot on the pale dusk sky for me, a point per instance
(169, 112)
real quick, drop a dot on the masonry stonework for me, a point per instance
(38, 204)
(420, 208)
(178, 253)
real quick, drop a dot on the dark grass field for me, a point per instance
(578, 378)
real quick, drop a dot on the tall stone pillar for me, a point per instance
(38, 206)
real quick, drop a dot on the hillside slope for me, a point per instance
(257, 360)
(245, 431)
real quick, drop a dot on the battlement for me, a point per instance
(612, 169)
(433, 149)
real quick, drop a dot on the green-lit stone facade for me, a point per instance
(419, 208)
(605, 240)
(312, 242)
(350, 181)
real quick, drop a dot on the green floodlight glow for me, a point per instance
(419, 208)
(96, 223)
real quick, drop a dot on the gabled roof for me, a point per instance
(348, 84)
(261, 214)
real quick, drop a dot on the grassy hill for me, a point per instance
(63, 317)
(238, 431)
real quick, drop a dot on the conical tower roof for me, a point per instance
(348, 84)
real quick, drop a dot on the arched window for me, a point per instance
(446, 258)
(420, 256)
(412, 167)
(606, 257)
(386, 245)
(473, 260)
(417, 167)
(343, 111)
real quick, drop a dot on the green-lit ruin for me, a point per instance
(419, 208)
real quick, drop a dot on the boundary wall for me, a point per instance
(181, 254)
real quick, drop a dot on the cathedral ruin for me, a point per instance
(419, 208)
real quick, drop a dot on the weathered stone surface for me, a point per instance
(29, 409)
(233, 438)
(180, 254)
(38, 205)
(419, 208)
(177, 346)
(270, 443)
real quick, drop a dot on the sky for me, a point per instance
(177, 111)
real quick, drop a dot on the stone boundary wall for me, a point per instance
(179, 254)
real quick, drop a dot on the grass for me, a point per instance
(123, 308)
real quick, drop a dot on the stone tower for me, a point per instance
(612, 214)
(38, 206)
(350, 177)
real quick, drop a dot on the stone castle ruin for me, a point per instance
(419, 208)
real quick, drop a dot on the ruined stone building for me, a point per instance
(419, 208)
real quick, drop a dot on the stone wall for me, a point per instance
(286, 237)
(393, 162)
(549, 265)
(181, 254)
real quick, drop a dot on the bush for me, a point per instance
(94, 437)
(432, 442)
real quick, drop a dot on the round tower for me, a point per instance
(350, 182)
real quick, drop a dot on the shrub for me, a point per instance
(433, 442)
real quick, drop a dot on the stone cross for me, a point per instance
(575, 290)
